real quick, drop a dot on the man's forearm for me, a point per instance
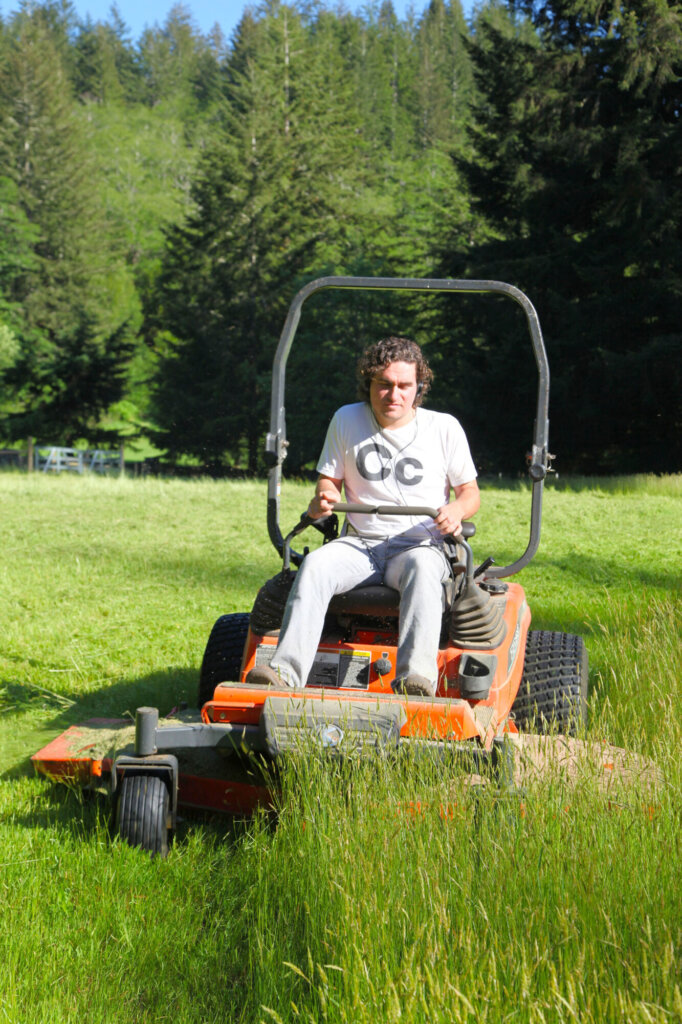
(327, 493)
(467, 500)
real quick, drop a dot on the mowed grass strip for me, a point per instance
(383, 892)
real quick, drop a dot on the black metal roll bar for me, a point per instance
(276, 442)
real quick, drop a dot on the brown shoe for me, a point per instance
(415, 686)
(263, 675)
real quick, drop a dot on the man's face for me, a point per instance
(392, 392)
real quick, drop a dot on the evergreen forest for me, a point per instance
(163, 199)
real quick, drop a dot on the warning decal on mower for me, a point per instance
(349, 669)
(341, 669)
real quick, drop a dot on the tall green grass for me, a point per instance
(661, 485)
(380, 892)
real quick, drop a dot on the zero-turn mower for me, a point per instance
(495, 676)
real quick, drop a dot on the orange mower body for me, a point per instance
(348, 670)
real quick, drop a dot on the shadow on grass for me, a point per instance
(66, 806)
(40, 715)
(82, 814)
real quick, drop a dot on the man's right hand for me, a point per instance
(327, 493)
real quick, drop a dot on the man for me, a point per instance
(385, 449)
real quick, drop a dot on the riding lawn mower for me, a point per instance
(496, 676)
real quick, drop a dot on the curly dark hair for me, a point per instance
(393, 350)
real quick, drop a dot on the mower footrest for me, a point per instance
(339, 726)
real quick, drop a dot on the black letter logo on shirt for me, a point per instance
(406, 470)
(361, 461)
(401, 471)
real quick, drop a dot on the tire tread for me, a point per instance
(223, 655)
(142, 813)
(553, 690)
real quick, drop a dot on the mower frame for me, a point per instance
(276, 442)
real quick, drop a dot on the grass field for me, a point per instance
(351, 909)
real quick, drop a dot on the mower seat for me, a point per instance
(377, 600)
(374, 599)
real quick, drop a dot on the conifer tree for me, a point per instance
(106, 66)
(65, 290)
(174, 59)
(443, 84)
(379, 55)
(272, 204)
(577, 167)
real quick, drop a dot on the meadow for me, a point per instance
(351, 906)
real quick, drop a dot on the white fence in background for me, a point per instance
(51, 459)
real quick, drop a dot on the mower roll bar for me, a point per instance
(276, 442)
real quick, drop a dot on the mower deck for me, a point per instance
(212, 771)
(85, 755)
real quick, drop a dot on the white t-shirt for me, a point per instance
(416, 464)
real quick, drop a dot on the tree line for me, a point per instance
(161, 202)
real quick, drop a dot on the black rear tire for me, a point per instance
(143, 813)
(222, 660)
(553, 691)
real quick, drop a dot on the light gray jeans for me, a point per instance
(416, 570)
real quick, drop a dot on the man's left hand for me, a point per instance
(465, 505)
(449, 519)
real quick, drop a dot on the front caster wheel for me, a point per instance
(143, 813)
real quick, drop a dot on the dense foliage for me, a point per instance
(163, 200)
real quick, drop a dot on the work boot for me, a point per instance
(263, 675)
(415, 686)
